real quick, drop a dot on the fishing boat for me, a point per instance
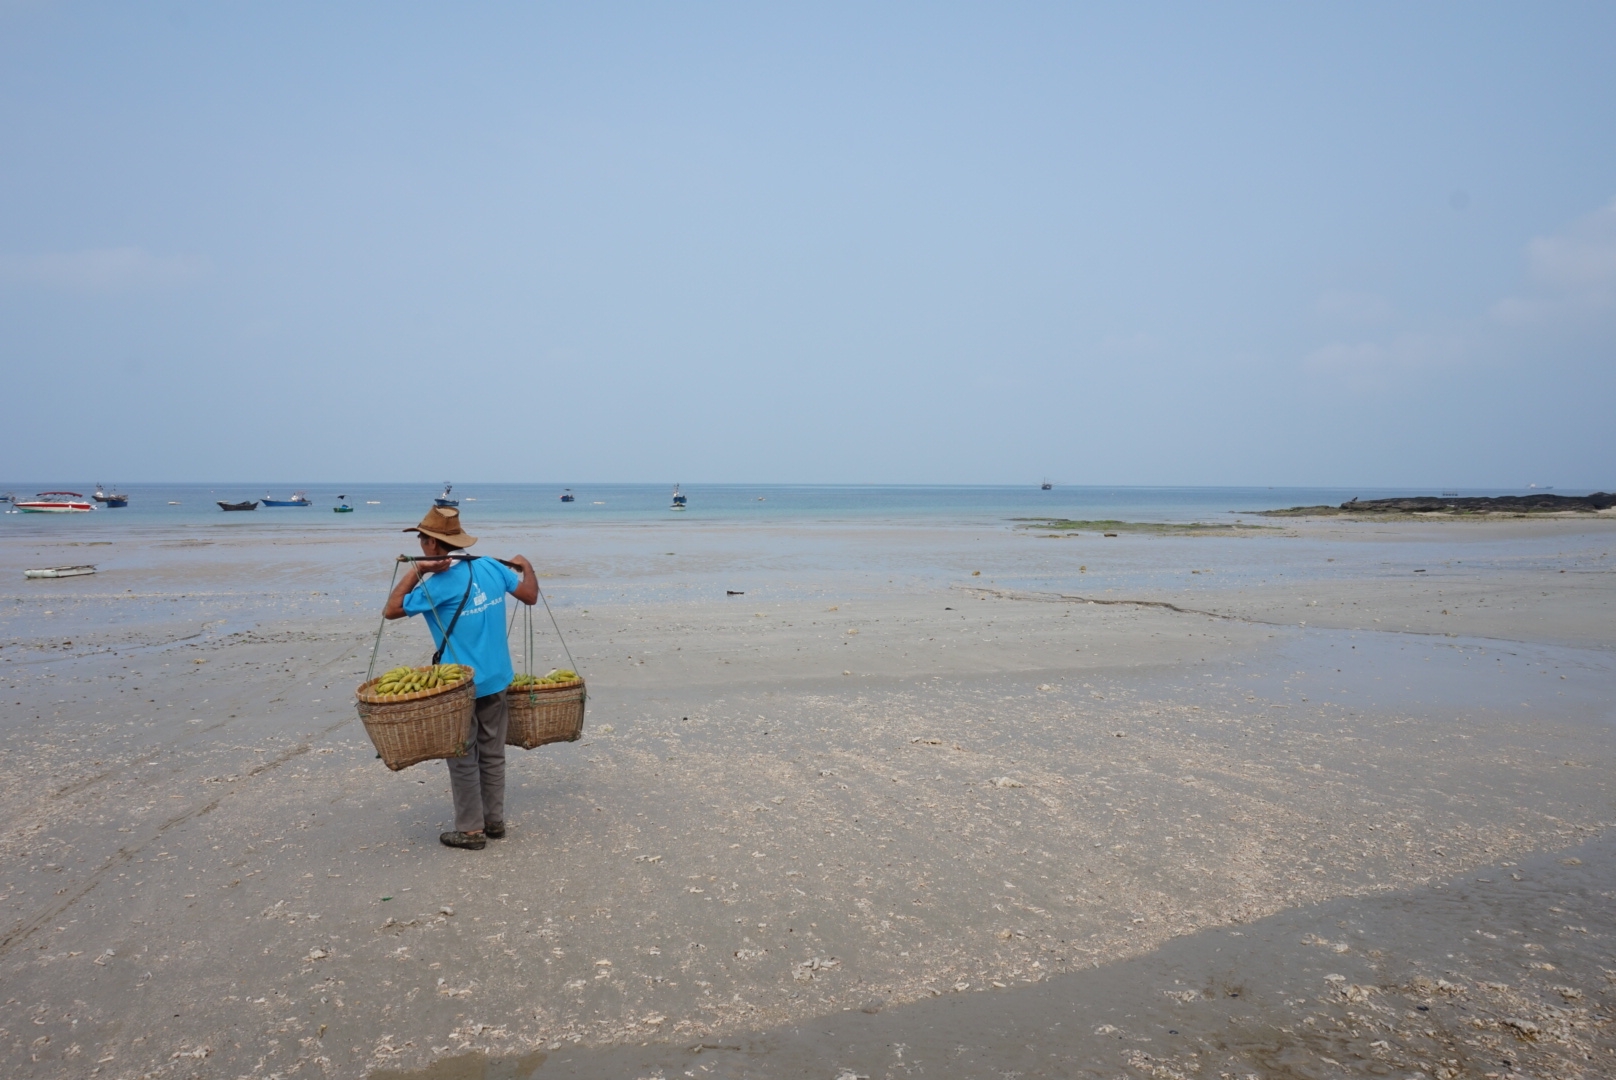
(567, 496)
(342, 506)
(110, 498)
(59, 571)
(1046, 485)
(249, 505)
(55, 502)
(678, 499)
(444, 500)
(297, 499)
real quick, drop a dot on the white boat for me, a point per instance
(55, 502)
(59, 571)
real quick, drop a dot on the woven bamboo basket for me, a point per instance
(411, 728)
(545, 714)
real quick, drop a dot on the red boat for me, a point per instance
(55, 502)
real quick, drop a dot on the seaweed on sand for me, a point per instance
(1159, 528)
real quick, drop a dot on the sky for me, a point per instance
(1368, 243)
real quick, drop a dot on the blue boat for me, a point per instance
(678, 499)
(444, 500)
(567, 496)
(297, 499)
(109, 498)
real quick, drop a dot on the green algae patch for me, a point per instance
(1156, 528)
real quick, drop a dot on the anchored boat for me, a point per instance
(444, 500)
(249, 505)
(342, 506)
(55, 502)
(297, 499)
(678, 499)
(567, 496)
(111, 498)
(59, 571)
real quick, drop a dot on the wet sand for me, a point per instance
(875, 801)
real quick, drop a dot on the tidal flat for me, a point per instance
(950, 802)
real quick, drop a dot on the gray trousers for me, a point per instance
(478, 777)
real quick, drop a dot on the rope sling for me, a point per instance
(419, 726)
(444, 635)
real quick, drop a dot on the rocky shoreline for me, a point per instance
(1514, 505)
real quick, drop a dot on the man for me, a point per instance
(478, 641)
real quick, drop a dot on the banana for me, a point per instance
(400, 681)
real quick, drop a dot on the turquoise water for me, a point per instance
(508, 504)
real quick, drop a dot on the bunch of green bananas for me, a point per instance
(408, 680)
(557, 675)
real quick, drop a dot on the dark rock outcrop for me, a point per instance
(1537, 503)
(1500, 504)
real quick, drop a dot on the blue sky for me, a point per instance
(1220, 244)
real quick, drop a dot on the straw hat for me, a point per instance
(443, 523)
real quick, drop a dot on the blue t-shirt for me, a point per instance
(479, 638)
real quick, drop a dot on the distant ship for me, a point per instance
(297, 499)
(1046, 485)
(678, 499)
(444, 500)
(111, 498)
(567, 496)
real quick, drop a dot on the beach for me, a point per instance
(921, 797)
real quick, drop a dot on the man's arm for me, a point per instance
(527, 590)
(408, 580)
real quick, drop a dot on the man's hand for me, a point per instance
(430, 566)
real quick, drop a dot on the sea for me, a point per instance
(172, 553)
(402, 504)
